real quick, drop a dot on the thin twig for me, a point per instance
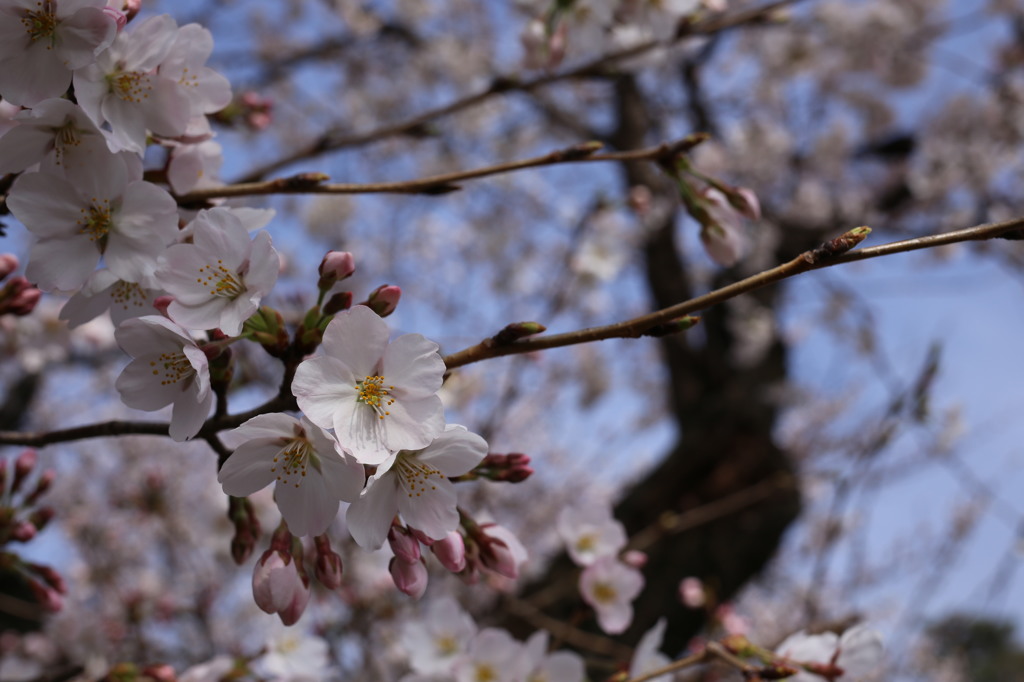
(312, 183)
(637, 326)
(629, 329)
(675, 666)
(332, 140)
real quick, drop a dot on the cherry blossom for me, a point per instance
(104, 290)
(219, 279)
(293, 656)
(168, 369)
(610, 587)
(439, 637)
(647, 656)
(493, 655)
(590, 533)
(853, 656)
(414, 483)
(379, 397)
(125, 89)
(558, 666)
(58, 133)
(115, 214)
(280, 586)
(41, 43)
(723, 237)
(312, 472)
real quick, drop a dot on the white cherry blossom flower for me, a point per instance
(590, 533)
(414, 483)
(855, 655)
(294, 656)
(168, 369)
(610, 587)
(379, 397)
(435, 641)
(125, 89)
(105, 291)
(493, 655)
(219, 279)
(58, 133)
(313, 474)
(558, 666)
(207, 91)
(111, 212)
(42, 42)
(648, 656)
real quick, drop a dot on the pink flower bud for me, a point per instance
(159, 672)
(291, 615)
(499, 558)
(132, 7)
(25, 301)
(634, 558)
(23, 531)
(691, 592)
(403, 544)
(276, 583)
(745, 201)
(50, 577)
(338, 302)
(384, 299)
(451, 551)
(23, 466)
(161, 303)
(410, 578)
(328, 567)
(41, 517)
(42, 485)
(45, 596)
(336, 266)
(8, 264)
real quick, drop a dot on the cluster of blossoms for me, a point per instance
(594, 26)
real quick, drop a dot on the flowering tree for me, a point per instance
(655, 175)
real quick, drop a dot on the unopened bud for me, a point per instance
(328, 568)
(132, 7)
(336, 266)
(160, 672)
(45, 596)
(161, 303)
(23, 466)
(744, 200)
(517, 330)
(634, 558)
(338, 302)
(451, 551)
(23, 531)
(19, 297)
(680, 324)
(403, 544)
(42, 485)
(8, 264)
(410, 578)
(266, 327)
(50, 577)
(41, 517)
(384, 299)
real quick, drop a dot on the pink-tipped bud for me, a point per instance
(634, 558)
(410, 578)
(338, 302)
(403, 544)
(132, 7)
(8, 264)
(19, 297)
(276, 583)
(384, 299)
(328, 567)
(23, 531)
(50, 577)
(691, 592)
(42, 485)
(41, 517)
(161, 303)
(451, 551)
(159, 672)
(45, 596)
(23, 466)
(336, 266)
(291, 615)
(744, 200)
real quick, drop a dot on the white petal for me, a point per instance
(309, 507)
(357, 337)
(411, 363)
(455, 451)
(248, 468)
(189, 415)
(413, 424)
(430, 507)
(320, 387)
(369, 517)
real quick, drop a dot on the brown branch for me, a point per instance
(809, 260)
(803, 263)
(580, 639)
(312, 183)
(332, 140)
(675, 666)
